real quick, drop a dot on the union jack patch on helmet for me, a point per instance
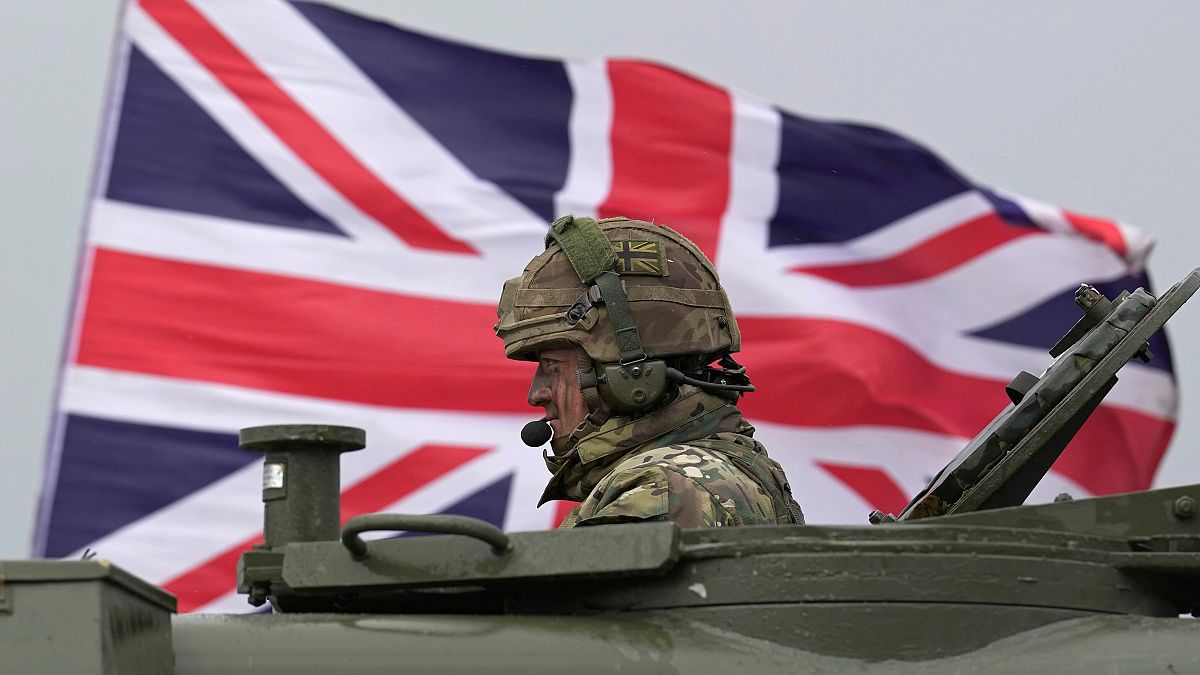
(640, 257)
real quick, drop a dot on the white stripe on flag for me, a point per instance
(190, 237)
(252, 134)
(166, 401)
(753, 184)
(370, 125)
(889, 240)
(589, 172)
(1138, 242)
(185, 533)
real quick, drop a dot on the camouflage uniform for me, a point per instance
(637, 298)
(674, 464)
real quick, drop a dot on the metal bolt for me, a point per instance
(258, 595)
(1063, 497)
(1086, 296)
(639, 395)
(1185, 507)
(879, 517)
(636, 371)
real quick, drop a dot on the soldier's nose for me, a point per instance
(539, 390)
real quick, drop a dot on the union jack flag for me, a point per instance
(304, 216)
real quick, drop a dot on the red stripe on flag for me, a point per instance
(311, 338)
(561, 509)
(824, 373)
(933, 256)
(296, 128)
(217, 576)
(1117, 450)
(211, 579)
(298, 336)
(403, 476)
(873, 485)
(671, 138)
(821, 373)
(1103, 231)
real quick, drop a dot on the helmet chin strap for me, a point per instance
(589, 385)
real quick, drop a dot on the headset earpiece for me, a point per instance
(633, 387)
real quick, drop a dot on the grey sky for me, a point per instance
(1090, 105)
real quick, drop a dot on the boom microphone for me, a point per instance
(537, 433)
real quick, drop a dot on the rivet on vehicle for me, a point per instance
(1185, 507)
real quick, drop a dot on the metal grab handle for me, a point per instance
(468, 527)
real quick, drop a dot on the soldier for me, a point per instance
(632, 334)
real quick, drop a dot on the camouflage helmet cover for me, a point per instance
(673, 293)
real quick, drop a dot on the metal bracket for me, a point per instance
(587, 300)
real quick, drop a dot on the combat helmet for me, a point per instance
(640, 301)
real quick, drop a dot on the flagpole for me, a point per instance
(118, 60)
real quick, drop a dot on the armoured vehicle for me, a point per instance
(965, 578)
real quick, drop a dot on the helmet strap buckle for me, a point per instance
(584, 304)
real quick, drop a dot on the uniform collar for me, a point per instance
(598, 447)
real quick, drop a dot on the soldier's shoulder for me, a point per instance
(671, 483)
(691, 460)
(698, 474)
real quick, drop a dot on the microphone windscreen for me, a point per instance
(537, 433)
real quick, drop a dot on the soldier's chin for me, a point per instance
(559, 443)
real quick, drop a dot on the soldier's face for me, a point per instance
(555, 387)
